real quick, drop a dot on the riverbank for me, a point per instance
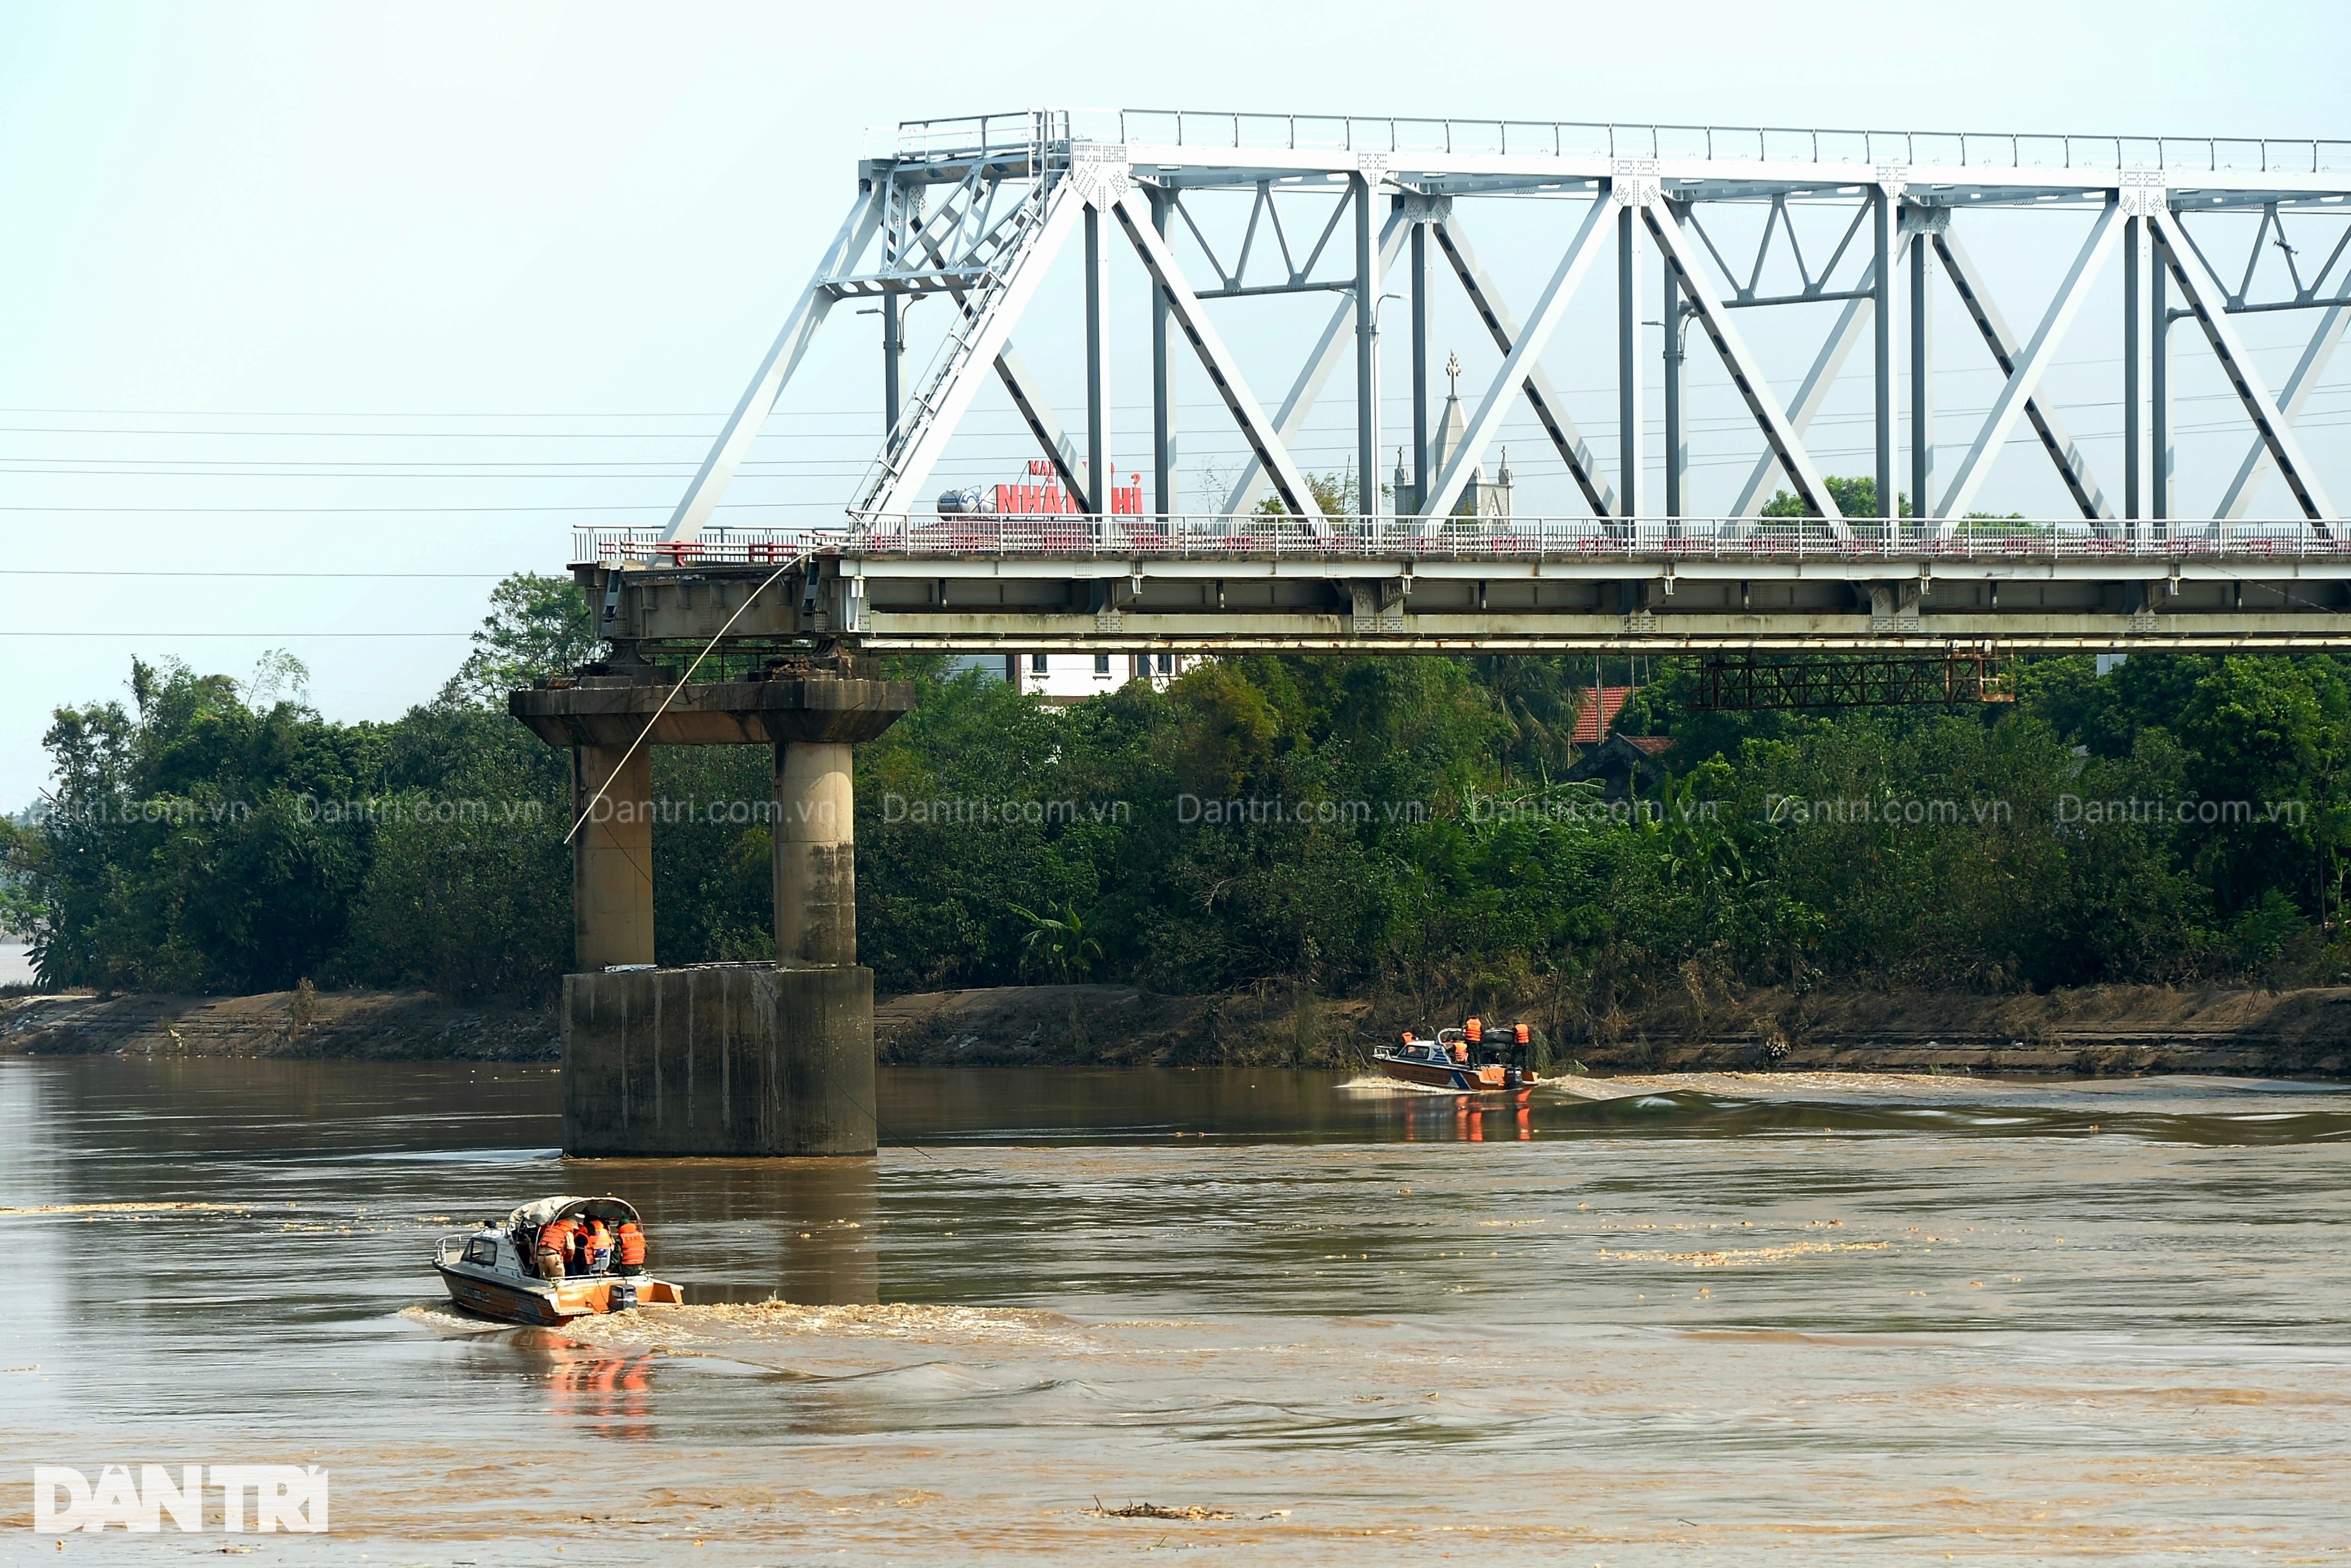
(382, 1025)
(2095, 1031)
(2104, 1030)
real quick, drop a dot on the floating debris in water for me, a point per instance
(1157, 1511)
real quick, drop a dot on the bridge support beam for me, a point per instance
(1419, 372)
(2159, 395)
(2134, 274)
(1628, 363)
(1883, 243)
(1162, 383)
(1676, 455)
(1367, 351)
(1922, 370)
(727, 1059)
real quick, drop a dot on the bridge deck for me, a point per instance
(1536, 584)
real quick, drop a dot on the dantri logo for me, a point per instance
(282, 1497)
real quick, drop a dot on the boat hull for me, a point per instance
(1458, 1077)
(550, 1304)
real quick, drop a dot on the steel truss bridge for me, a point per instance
(977, 210)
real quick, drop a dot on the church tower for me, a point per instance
(1478, 498)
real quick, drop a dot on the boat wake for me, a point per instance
(443, 1319)
(1380, 1083)
(1691, 1113)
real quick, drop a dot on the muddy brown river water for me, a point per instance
(1674, 1321)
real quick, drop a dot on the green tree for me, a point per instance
(538, 625)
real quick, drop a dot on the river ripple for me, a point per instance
(1811, 1320)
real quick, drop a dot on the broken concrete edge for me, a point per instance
(616, 712)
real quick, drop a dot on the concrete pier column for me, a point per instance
(612, 856)
(718, 1059)
(815, 855)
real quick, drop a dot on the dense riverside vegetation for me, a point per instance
(1341, 824)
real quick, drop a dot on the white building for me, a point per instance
(1067, 678)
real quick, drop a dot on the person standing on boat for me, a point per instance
(555, 1248)
(595, 1247)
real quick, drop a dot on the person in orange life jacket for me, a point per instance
(595, 1248)
(631, 1242)
(554, 1248)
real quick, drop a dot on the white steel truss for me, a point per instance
(2030, 365)
(1328, 349)
(1581, 253)
(2299, 385)
(1746, 374)
(975, 210)
(1549, 407)
(2202, 292)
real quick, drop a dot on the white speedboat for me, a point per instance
(498, 1271)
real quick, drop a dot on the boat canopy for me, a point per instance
(546, 1210)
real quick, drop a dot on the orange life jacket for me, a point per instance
(633, 1245)
(1475, 1030)
(558, 1237)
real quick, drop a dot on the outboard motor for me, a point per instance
(623, 1296)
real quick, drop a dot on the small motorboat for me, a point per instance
(501, 1272)
(1461, 1061)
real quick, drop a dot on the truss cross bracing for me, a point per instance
(1874, 228)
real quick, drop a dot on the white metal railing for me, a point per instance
(1261, 535)
(1972, 149)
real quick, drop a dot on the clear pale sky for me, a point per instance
(354, 290)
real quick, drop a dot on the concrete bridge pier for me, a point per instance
(815, 854)
(612, 856)
(718, 1059)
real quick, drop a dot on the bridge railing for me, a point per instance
(1260, 536)
(1977, 150)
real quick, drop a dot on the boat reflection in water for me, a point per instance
(594, 1391)
(1464, 1118)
